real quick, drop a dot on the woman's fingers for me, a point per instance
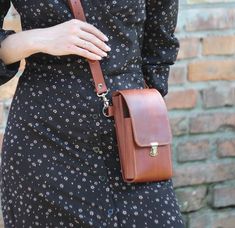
(90, 47)
(75, 37)
(85, 53)
(89, 37)
(93, 39)
(93, 30)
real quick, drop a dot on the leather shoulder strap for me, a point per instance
(97, 74)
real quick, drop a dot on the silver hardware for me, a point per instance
(100, 86)
(106, 102)
(154, 149)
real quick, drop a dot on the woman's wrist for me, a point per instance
(20, 45)
(34, 41)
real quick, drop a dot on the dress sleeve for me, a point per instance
(160, 46)
(6, 71)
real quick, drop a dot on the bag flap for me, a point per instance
(149, 116)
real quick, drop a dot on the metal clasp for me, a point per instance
(106, 102)
(154, 149)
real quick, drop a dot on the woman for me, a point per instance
(60, 165)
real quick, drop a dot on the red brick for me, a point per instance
(226, 148)
(224, 220)
(193, 174)
(177, 75)
(189, 47)
(212, 219)
(22, 65)
(178, 29)
(12, 20)
(201, 219)
(206, 1)
(7, 90)
(7, 105)
(211, 70)
(184, 99)
(214, 19)
(211, 122)
(1, 221)
(219, 45)
(223, 196)
(179, 125)
(191, 199)
(1, 139)
(1, 113)
(193, 150)
(218, 97)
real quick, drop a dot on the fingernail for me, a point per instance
(108, 48)
(106, 38)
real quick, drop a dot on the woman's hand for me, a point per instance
(70, 37)
(74, 37)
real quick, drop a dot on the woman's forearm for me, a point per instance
(70, 37)
(20, 45)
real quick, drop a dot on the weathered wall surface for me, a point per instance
(201, 101)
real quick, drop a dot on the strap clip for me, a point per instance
(106, 102)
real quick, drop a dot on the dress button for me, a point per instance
(96, 149)
(94, 116)
(102, 178)
(100, 152)
(110, 211)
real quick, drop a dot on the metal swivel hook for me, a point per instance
(106, 102)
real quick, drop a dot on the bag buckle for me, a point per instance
(154, 149)
(106, 102)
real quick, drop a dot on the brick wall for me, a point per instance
(201, 103)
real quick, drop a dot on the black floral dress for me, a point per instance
(59, 160)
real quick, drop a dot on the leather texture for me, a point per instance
(141, 119)
(97, 74)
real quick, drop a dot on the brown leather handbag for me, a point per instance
(141, 123)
